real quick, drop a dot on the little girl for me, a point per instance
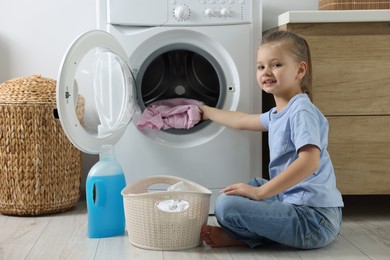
(300, 205)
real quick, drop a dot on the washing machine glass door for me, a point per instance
(95, 91)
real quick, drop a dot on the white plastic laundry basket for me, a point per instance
(149, 226)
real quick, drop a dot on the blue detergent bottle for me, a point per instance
(104, 184)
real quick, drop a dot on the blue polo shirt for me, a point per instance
(299, 124)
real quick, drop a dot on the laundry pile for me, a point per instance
(175, 205)
(178, 113)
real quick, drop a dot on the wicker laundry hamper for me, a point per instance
(150, 227)
(40, 169)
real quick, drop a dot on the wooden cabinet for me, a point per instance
(351, 86)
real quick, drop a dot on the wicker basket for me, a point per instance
(40, 169)
(353, 4)
(149, 227)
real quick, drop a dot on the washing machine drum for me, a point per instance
(180, 70)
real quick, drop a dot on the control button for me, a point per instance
(224, 12)
(182, 12)
(209, 12)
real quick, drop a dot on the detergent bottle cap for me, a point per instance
(107, 152)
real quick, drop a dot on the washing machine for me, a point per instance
(145, 51)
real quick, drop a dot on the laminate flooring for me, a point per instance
(365, 234)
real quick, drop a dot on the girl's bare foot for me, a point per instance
(216, 237)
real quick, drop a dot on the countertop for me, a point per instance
(343, 16)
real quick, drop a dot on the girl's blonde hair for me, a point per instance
(298, 47)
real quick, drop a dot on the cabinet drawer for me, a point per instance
(360, 150)
(351, 74)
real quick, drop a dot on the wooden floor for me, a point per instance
(365, 235)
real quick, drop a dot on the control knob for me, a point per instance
(224, 12)
(182, 12)
(209, 12)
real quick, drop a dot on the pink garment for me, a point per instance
(176, 113)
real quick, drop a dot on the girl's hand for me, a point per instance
(244, 190)
(203, 108)
(233, 119)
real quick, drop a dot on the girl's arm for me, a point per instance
(305, 165)
(233, 119)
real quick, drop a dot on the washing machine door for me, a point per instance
(95, 91)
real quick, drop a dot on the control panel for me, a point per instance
(208, 12)
(179, 12)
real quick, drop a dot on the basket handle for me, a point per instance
(165, 179)
(160, 179)
(55, 113)
(142, 185)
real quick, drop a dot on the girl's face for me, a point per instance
(278, 72)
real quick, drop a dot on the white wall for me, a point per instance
(272, 8)
(35, 34)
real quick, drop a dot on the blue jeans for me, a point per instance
(259, 222)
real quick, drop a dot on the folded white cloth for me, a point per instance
(173, 205)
